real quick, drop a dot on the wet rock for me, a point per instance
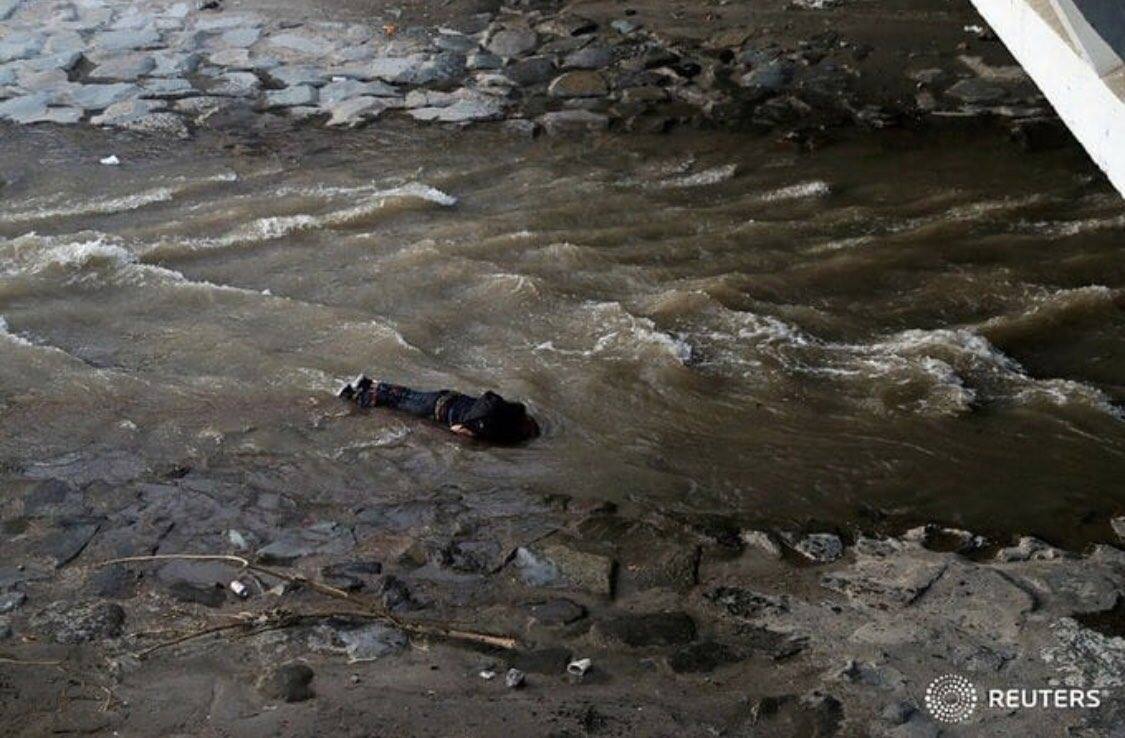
(1043, 134)
(174, 63)
(67, 623)
(590, 57)
(163, 124)
(350, 575)
(456, 42)
(481, 60)
(578, 84)
(658, 564)
(68, 541)
(417, 69)
(512, 42)
(325, 538)
(885, 576)
(977, 91)
(814, 715)
(292, 97)
(556, 562)
(771, 77)
(542, 661)
(520, 127)
(208, 596)
(51, 497)
(647, 629)
(762, 541)
(745, 604)
(571, 122)
(11, 601)
(568, 25)
(396, 595)
(555, 612)
(531, 71)
(702, 657)
(114, 582)
(625, 26)
(821, 548)
(1030, 549)
(288, 683)
(5, 629)
(360, 642)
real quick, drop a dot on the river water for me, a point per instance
(919, 328)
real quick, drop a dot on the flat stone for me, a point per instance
(236, 84)
(291, 75)
(240, 37)
(20, 46)
(291, 97)
(483, 60)
(355, 110)
(569, 122)
(71, 538)
(52, 497)
(174, 63)
(321, 538)
(167, 87)
(99, 97)
(512, 42)
(590, 57)
(578, 84)
(568, 25)
(124, 68)
(61, 116)
(231, 58)
(886, 577)
(63, 61)
(361, 643)
(625, 27)
(771, 77)
(302, 44)
(462, 111)
(288, 683)
(350, 575)
(647, 629)
(66, 623)
(531, 71)
(211, 596)
(555, 612)
(555, 562)
(429, 99)
(346, 89)
(457, 42)
(124, 40)
(122, 112)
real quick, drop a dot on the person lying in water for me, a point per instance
(489, 417)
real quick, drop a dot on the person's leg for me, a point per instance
(400, 398)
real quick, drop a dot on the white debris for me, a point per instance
(110, 161)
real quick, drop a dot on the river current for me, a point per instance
(914, 329)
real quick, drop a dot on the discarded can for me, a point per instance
(579, 668)
(240, 589)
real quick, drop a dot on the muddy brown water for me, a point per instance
(933, 328)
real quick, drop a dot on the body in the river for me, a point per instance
(489, 417)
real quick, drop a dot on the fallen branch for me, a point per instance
(372, 609)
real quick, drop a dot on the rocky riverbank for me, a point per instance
(798, 68)
(693, 625)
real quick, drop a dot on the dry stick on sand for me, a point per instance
(371, 609)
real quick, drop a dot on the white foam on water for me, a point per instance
(800, 191)
(1071, 228)
(704, 178)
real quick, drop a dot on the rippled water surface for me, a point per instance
(705, 323)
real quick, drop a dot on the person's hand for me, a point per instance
(461, 430)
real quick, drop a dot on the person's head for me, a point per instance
(494, 419)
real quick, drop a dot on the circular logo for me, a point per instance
(951, 698)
